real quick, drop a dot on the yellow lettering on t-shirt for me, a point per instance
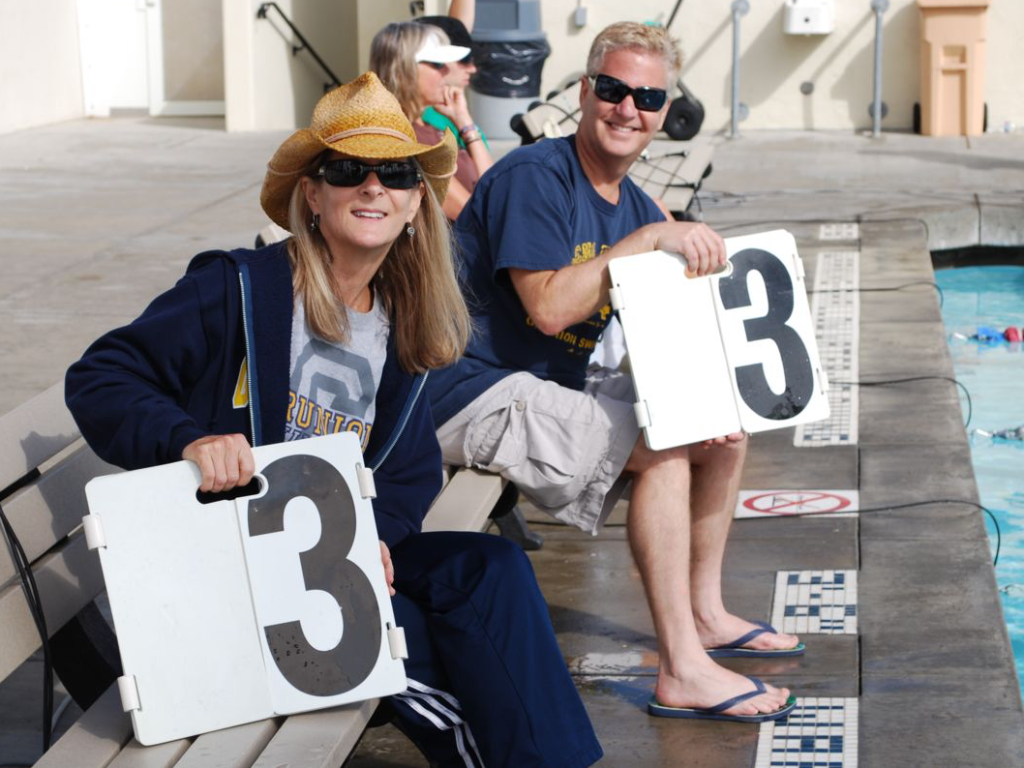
(584, 252)
(305, 415)
(322, 418)
(356, 426)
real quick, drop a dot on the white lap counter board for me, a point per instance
(239, 610)
(721, 353)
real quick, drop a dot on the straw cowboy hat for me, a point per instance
(361, 119)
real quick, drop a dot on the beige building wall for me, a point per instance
(268, 88)
(193, 50)
(773, 65)
(40, 66)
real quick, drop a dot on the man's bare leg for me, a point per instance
(659, 536)
(715, 483)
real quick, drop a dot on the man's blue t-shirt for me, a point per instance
(535, 209)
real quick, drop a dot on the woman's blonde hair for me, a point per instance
(416, 283)
(632, 35)
(393, 58)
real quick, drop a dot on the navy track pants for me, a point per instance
(487, 682)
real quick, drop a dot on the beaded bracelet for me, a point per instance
(470, 136)
(468, 129)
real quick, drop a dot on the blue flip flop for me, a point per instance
(715, 712)
(736, 649)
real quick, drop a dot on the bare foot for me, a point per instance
(728, 628)
(704, 684)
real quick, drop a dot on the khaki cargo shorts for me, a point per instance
(565, 450)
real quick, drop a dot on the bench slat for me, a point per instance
(134, 755)
(320, 739)
(237, 747)
(33, 433)
(46, 511)
(95, 739)
(68, 579)
(466, 502)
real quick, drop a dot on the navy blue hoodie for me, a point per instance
(143, 392)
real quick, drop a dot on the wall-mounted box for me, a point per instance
(809, 17)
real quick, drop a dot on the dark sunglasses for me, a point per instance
(352, 173)
(614, 91)
(435, 65)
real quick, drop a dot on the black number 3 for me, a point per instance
(796, 363)
(321, 673)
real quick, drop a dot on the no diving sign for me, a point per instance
(795, 503)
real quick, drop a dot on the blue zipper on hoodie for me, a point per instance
(250, 370)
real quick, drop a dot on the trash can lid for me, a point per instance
(924, 4)
(507, 20)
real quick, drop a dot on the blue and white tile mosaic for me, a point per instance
(819, 732)
(835, 309)
(815, 602)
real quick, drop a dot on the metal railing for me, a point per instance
(303, 43)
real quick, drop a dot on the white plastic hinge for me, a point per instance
(94, 538)
(799, 267)
(643, 414)
(615, 295)
(366, 487)
(396, 642)
(129, 691)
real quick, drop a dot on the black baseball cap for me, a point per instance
(454, 28)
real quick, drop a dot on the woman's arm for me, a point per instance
(455, 108)
(478, 151)
(130, 390)
(464, 11)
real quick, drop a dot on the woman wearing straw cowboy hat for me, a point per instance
(336, 328)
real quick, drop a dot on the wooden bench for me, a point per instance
(42, 451)
(669, 170)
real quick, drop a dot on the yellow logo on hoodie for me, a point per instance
(241, 398)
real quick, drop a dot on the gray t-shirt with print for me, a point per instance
(333, 387)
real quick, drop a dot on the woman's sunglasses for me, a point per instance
(614, 91)
(352, 173)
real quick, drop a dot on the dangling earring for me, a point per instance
(410, 231)
(314, 225)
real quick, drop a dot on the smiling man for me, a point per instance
(536, 239)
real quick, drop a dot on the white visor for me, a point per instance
(433, 51)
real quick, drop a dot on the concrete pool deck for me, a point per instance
(98, 216)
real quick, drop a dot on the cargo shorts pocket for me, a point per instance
(559, 445)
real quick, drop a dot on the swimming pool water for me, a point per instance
(993, 372)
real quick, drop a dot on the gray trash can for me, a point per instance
(509, 49)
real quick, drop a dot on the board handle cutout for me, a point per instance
(254, 487)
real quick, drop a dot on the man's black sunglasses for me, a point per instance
(614, 91)
(352, 173)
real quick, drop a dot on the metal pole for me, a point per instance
(879, 7)
(739, 8)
